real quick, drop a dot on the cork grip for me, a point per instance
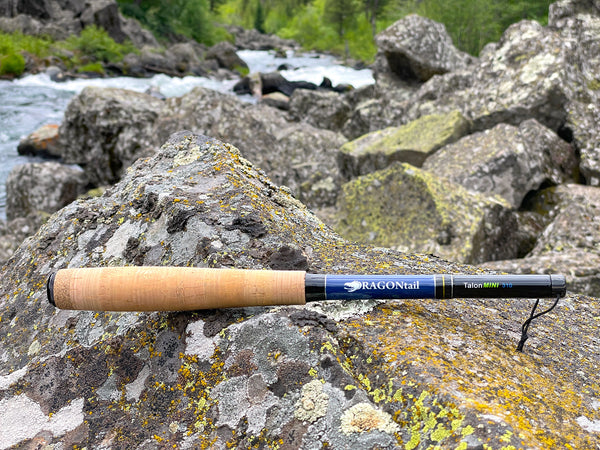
(172, 288)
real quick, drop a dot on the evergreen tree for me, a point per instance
(341, 14)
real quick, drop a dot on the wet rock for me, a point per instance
(106, 130)
(224, 53)
(42, 187)
(412, 210)
(415, 49)
(352, 375)
(411, 143)
(43, 143)
(570, 243)
(321, 109)
(506, 160)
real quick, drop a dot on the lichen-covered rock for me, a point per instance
(506, 160)
(321, 109)
(416, 48)
(409, 209)
(409, 374)
(578, 23)
(411, 143)
(42, 186)
(298, 155)
(106, 129)
(570, 244)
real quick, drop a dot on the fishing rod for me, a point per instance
(188, 288)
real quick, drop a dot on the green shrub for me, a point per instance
(12, 64)
(92, 67)
(95, 43)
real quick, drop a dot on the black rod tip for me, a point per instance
(50, 289)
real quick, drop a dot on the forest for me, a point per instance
(343, 27)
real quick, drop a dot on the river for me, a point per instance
(34, 100)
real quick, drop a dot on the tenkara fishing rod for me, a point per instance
(189, 288)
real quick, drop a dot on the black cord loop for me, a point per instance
(525, 328)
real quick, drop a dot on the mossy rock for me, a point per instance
(411, 143)
(409, 209)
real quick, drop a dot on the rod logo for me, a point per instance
(353, 286)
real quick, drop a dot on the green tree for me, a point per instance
(341, 14)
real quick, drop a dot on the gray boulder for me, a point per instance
(321, 109)
(536, 72)
(506, 160)
(42, 187)
(411, 143)
(60, 18)
(415, 49)
(15, 231)
(299, 156)
(411, 210)
(353, 375)
(225, 54)
(106, 130)
(570, 244)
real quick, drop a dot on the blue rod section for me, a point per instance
(440, 286)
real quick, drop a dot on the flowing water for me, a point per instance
(34, 100)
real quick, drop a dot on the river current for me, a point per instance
(34, 100)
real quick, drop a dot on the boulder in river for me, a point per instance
(409, 209)
(106, 129)
(42, 142)
(341, 375)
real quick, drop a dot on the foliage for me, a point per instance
(12, 64)
(471, 23)
(168, 19)
(92, 67)
(15, 42)
(96, 44)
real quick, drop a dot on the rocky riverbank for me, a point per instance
(488, 137)
(60, 19)
(487, 161)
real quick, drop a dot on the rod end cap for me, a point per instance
(559, 285)
(50, 289)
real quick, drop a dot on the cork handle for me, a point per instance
(172, 288)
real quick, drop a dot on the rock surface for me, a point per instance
(416, 48)
(358, 375)
(508, 161)
(106, 129)
(45, 187)
(412, 210)
(60, 18)
(42, 142)
(570, 244)
(411, 143)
